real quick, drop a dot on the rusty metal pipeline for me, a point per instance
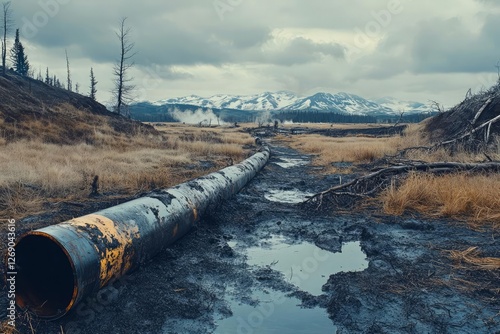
(59, 265)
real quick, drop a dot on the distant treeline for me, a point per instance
(144, 112)
(164, 117)
(315, 116)
(322, 117)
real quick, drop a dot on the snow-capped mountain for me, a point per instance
(341, 102)
(288, 101)
(400, 106)
(264, 101)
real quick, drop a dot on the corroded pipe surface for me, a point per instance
(60, 265)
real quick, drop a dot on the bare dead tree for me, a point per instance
(123, 87)
(6, 25)
(400, 119)
(70, 85)
(439, 107)
(468, 95)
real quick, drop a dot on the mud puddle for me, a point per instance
(303, 265)
(291, 162)
(287, 196)
(272, 312)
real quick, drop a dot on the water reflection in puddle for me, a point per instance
(287, 196)
(289, 163)
(305, 265)
(275, 314)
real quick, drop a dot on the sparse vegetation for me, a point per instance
(471, 259)
(348, 149)
(475, 198)
(470, 199)
(42, 172)
(466, 197)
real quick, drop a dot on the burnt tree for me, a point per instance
(6, 25)
(123, 87)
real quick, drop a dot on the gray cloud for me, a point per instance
(302, 51)
(284, 44)
(433, 46)
(449, 47)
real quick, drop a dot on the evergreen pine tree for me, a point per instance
(93, 84)
(47, 76)
(18, 57)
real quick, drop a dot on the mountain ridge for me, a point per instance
(341, 102)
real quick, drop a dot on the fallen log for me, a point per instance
(469, 131)
(359, 186)
(60, 265)
(479, 113)
(473, 131)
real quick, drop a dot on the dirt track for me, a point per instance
(205, 283)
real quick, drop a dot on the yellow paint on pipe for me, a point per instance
(193, 207)
(176, 230)
(195, 213)
(115, 261)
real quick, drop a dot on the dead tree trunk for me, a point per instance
(6, 25)
(123, 89)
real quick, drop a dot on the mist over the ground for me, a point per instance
(198, 116)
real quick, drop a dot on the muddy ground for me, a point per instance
(205, 283)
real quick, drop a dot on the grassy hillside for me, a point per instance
(54, 143)
(30, 109)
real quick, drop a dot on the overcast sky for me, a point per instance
(418, 50)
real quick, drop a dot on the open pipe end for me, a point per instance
(45, 282)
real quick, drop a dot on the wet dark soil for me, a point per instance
(409, 286)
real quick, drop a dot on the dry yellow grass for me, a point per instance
(5, 328)
(346, 149)
(475, 198)
(414, 137)
(355, 149)
(471, 258)
(359, 149)
(34, 172)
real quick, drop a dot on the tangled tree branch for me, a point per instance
(372, 183)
